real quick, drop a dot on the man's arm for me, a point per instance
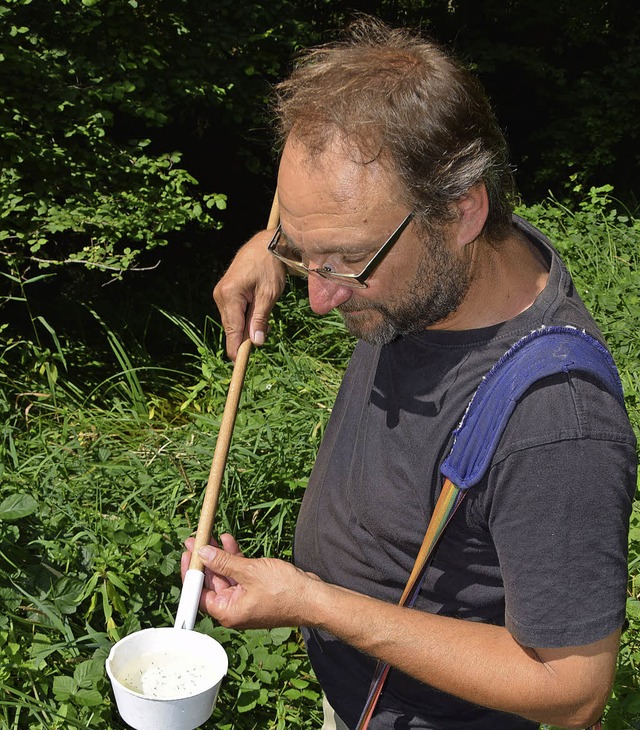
(477, 662)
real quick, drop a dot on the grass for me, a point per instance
(102, 477)
(102, 489)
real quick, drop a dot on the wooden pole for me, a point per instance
(212, 492)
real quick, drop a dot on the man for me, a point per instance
(394, 198)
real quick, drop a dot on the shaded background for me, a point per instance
(84, 81)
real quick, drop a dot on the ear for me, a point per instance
(472, 212)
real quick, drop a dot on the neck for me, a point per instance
(505, 281)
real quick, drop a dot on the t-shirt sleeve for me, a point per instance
(559, 497)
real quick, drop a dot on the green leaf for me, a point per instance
(117, 581)
(64, 687)
(88, 673)
(89, 697)
(17, 506)
(633, 609)
(269, 660)
(299, 683)
(279, 636)
(248, 696)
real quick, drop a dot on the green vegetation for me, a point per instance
(100, 98)
(112, 110)
(126, 126)
(600, 244)
(103, 460)
(101, 485)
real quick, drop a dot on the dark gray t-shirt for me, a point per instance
(539, 546)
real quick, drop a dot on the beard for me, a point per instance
(436, 290)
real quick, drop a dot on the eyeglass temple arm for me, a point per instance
(369, 268)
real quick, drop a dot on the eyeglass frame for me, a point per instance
(335, 276)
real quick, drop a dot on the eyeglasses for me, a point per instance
(355, 281)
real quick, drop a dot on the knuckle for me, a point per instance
(221, 292)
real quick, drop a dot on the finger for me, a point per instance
(233, 311)
(221, 562)
(185, 559)
(218, 605)
(216, 583)
(211, 581)
(259, 323)
(191, 541)
(230, 544)
(267, 293)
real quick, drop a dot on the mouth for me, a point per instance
(352, 312)
(348, 308)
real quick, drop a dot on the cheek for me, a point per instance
(392, 286)
(398, 269)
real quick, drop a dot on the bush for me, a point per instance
(600, 244)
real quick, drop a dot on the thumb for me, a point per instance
(259, 324)
(220, 561)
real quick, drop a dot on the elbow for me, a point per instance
(589, 712)
(582, 720)
(581, 713)
(581, 683)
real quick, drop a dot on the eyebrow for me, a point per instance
(288, 240)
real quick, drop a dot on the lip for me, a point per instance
(351, 312)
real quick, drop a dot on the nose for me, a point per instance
(325, 295)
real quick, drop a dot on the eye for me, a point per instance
(288, 250)
(354, 259)
(328, 268)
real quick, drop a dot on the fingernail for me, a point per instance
(207, 552)
(258, 338)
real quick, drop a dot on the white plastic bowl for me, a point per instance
(166, 679)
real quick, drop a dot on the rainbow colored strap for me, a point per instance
(448, 502)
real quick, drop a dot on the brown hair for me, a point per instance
(400, 99)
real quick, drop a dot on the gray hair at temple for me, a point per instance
(399, 99)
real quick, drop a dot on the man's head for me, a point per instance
(395, 98)
(375, 129)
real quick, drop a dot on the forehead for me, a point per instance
(333, 184)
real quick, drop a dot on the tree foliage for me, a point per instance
(70, 190)
(102, 100)
(564, 78)
(87, 86)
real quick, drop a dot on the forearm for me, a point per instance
(477, 662)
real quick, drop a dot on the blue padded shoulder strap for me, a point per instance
(544, 352)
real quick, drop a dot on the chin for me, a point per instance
(364, 327)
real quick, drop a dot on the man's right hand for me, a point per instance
(247, 292)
